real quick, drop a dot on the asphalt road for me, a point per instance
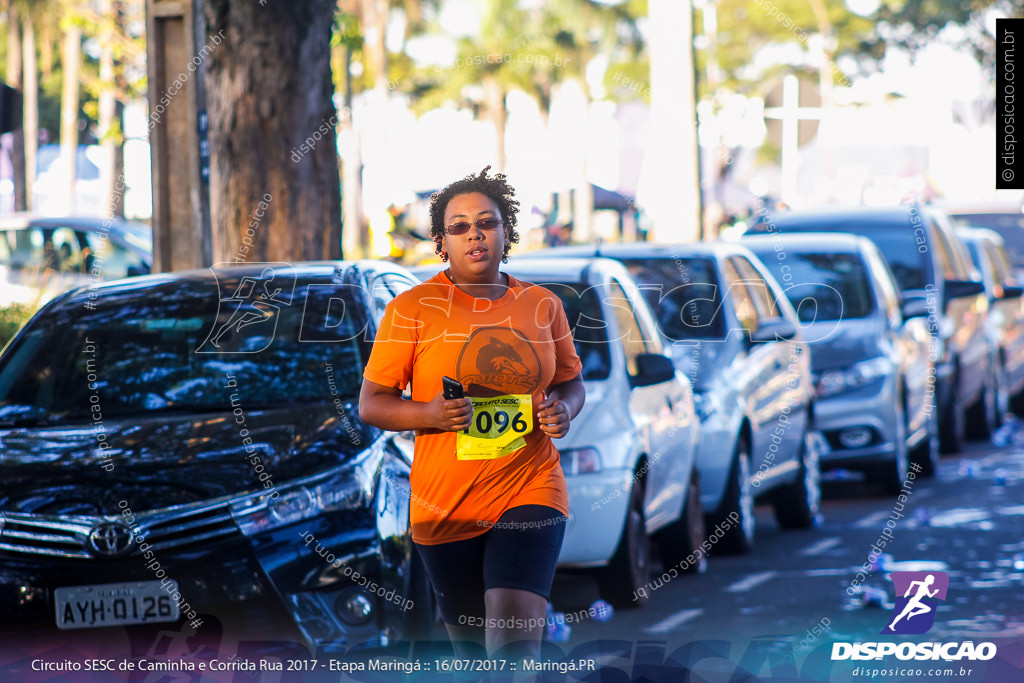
(774, 614)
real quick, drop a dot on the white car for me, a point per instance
(629, 457)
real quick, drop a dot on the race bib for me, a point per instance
(498, 427)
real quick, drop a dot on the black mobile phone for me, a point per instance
(452, 388)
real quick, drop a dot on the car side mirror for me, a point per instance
(956, 289)
(777, 329)
(914, 307)
(652, 368)
(1012, 292)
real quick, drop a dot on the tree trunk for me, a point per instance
(109, 121)
(375, 25)
(30, 110)
(69, 111)
(46, 47)
(14, 80)
(494, 102)
(274, 164)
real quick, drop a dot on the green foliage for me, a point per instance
(534, 49)
(920, 21)
(746, 27)
(12, 318)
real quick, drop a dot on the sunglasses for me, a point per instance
(462, 227)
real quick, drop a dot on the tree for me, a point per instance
(14, 79)
(746, 27)
(71, 63)
(913, 23)
(272, 130)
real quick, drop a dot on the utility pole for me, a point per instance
(177, 123)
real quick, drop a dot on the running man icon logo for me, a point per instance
(249, 302)
(917, 595)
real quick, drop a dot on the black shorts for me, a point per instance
(519, 551)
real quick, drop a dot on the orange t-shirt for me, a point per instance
(518, 344)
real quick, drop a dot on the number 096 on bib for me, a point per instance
(498, 427)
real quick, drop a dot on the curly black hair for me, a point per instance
(495, 188)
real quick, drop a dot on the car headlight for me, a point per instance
(343, 488)
(580, 460)
(857, 375)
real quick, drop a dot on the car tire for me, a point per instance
(981, 417)
(891, 474)
(682, 538)
(797, 505)
(629, 569)
(738, 500)
(951, 422)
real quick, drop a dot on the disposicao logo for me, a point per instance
(917, 595)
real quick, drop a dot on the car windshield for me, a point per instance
(826, 286)
(683, 293)
(907, 260)
(184, 350)
(1009, 225)
(583, 311)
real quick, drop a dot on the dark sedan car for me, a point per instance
(1006, 314)
(176, 447)
(931, 265)
(871, 365)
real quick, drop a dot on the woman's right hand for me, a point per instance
(452, 415)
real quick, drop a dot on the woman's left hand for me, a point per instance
(553, 417)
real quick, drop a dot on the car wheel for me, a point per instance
(682, 538)
(629, 568)
(891, 474)
(926, 453)
(951, 424)
(982, 416)
(1002, 392)
(737, 503)
(797, 504)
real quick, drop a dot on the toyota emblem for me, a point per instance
(109, 540)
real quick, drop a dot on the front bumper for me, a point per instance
(265, 583)
(869, 408)
(597, 515)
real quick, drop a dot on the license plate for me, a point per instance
(113, 604)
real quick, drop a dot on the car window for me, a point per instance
(630, 333)
(827, 286)
(1009, 225)
(760, 292)
(905, 245)
(746, 310)
(108, 259)
(174, 350)
(68, 252)
(945, 254)
(6, 248)
(985, 256)
(582, 307)
(885, 283)
(380, 297)
(1000, 262)
(26, 247)
(398, 283)
(683, 293)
